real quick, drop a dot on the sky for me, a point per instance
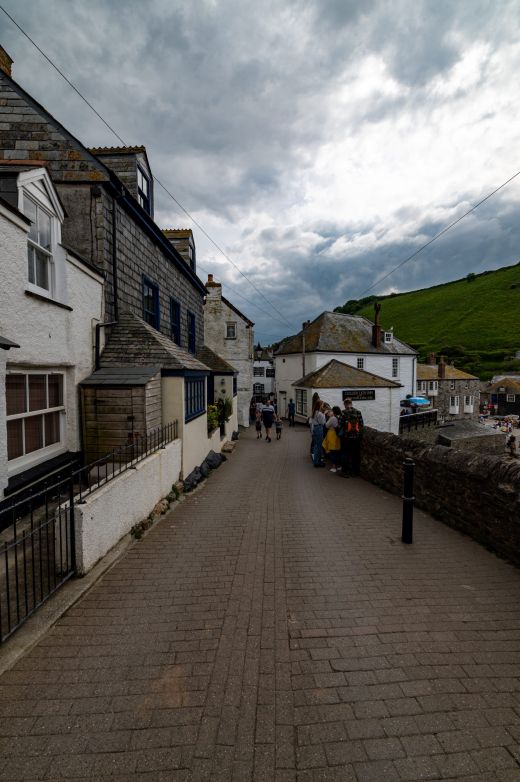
(318, 142)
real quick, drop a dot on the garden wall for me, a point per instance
(476, 493)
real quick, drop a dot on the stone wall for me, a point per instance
(478, 494)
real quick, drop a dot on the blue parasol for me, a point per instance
(417, 400)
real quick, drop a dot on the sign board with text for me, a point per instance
(359, 394)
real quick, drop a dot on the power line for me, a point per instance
(186, 212)
(441, 233)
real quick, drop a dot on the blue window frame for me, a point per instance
(191, 332)
(151, 303)
(175, 321)
(194, 397)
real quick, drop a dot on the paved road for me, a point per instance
(273, 628)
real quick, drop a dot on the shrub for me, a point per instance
(213, 421)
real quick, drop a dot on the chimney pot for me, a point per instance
(5, 61)
(210, 278)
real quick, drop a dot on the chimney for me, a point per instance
(442, 368)
(431, 360)
(213, 289)
(5, 61)
(376, 328)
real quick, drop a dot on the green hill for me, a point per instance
(474, 322)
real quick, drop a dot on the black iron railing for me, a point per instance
(37, 532)
(417, 420)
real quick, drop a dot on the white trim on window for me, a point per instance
(301, 401)
(510, 397)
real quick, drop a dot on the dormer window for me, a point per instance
(389, 336)
(39, 245)
(143, 190)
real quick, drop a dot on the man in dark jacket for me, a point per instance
(351, 427)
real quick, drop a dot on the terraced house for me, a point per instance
(104, 218)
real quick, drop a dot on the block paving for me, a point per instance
(274, 628)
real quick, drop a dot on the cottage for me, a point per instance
(229, 332)
(263, 373)
(49, 300)
(348, 339)
(454, 393)
(376, 397)
(504, 395)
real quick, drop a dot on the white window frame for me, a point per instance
(258, 389)
(301, 401)
(452, 385)
(42, 454)
(360, 363)
(468, 403)
(258, 372)
(395, 367)
(389, 337)
(510, 397)
(231, 329)
(144, 195)
(454, 404)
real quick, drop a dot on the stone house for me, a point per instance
(49, 300)
(348, 339)
(377, 398)
(107, 199)
(504, 395)
(454, 393)
(263, 372)
(229, 332)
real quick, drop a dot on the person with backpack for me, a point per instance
(351, 434)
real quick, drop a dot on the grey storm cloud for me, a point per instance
(239, 103)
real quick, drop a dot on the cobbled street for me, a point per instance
(273, 628)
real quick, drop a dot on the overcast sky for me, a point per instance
(319, 143)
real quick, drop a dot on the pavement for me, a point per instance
(274, 628)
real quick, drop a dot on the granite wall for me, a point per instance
(476, 493)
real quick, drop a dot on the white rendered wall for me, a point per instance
(238, 352)
(382, 413)
(50, 337)
(268, 382)
(111, 511)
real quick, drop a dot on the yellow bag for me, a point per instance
(331, 441)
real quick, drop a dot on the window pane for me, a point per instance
(42, 269)
(14, 439)
(15, 394)
(37, 392)
(29, 208)
(52, 428)
(55, 390)
(44, 229)
(33, 433)
(30, 261)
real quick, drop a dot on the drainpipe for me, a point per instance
(114, 262)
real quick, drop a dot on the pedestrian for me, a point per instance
(351, 430)
(258, 426)
(511, 446)
(278, 427)
(268, 414)
(317, 423)
(331, 442)
(291, 410)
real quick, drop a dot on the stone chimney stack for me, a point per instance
(376, 328)
(214, 289)
(431, 360)
(5, 61)
(442, 368)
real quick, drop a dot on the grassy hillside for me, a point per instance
(474, 321)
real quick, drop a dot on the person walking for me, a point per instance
(258, 426)
(317, 423)
(278, 427)
(268, 414)
(291, 410)
(351, 429)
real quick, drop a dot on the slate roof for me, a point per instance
(132, 342)
(431, 372)
(336, 374)
(6, 343)
(333, 332)
(116, 150)
(215, 362)
(121, 376)
(511, 384)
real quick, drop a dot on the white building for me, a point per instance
(263, 373)
(351, 340)
(377, 398)
(50, 301)
(229, 333)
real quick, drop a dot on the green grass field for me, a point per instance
(474, 321)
